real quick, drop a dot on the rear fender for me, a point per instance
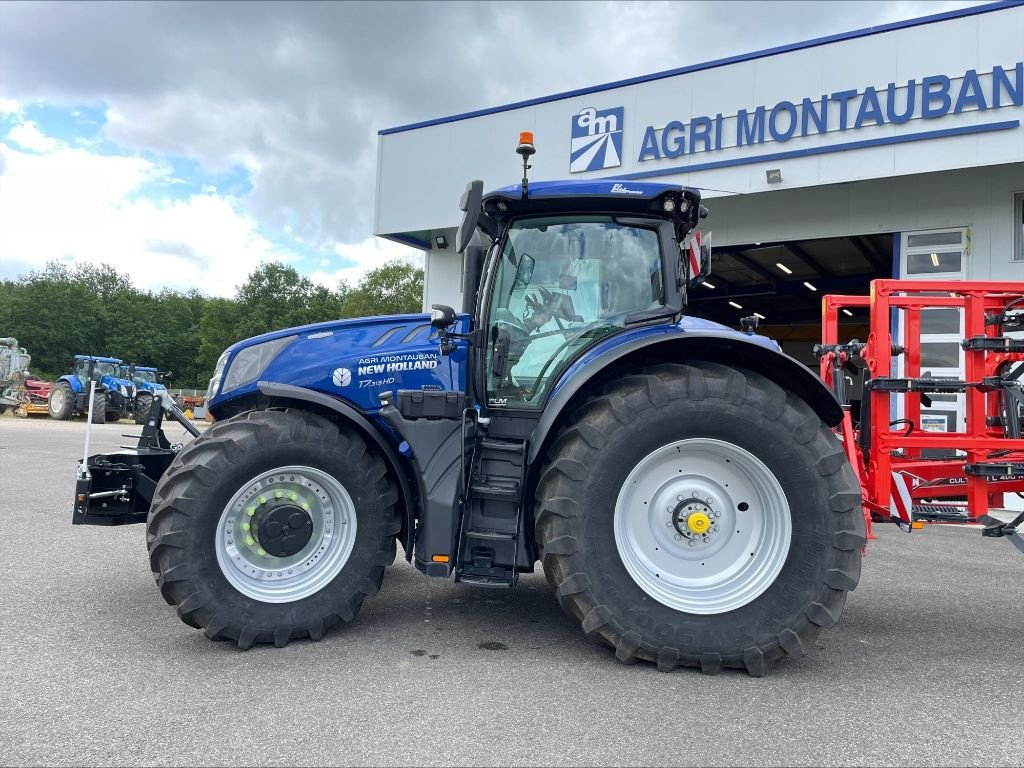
(733, 349)
(300, 397)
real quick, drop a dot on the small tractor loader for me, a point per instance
(679, 481)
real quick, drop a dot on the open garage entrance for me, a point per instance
(783, 283)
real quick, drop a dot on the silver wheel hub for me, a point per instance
(702, 526)
(286, 534)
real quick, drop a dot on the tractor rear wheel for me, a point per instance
(62, 401)
(700, 515)
(99, 408)
(143, 402)
(272, 525)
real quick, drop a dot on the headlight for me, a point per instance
(250, 362)
(218, 371)
(123, 390)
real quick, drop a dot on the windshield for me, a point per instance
(147, 376)
(562, 284)
(107, 369)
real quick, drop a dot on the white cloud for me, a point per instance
(75, 206)
(28, 136)
(9, 107)
(362, 257)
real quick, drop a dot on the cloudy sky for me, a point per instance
(185, 143)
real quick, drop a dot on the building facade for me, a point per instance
(891, 151)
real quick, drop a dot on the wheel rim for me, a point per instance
(249, 531)
(702, 526)
(57, 400)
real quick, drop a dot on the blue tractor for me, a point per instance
(147, 381)
(677, 479)
(114, 393)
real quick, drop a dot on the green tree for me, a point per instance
(217, 331)
(392, 289)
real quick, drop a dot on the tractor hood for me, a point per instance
(353, 360)
(115, 383)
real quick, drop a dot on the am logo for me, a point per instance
(596, 139)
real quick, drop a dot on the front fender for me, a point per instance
(73, 382)
(728, 348)
(302, 397)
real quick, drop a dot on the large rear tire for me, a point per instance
(700, 515)
(61, 401)
(272, 525)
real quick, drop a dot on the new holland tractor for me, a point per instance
(147, 381)
(113, 395)
(678, 480)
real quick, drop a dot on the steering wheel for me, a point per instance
(538, 382)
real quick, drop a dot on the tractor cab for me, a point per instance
(558, 281)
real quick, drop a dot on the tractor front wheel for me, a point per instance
(99, 408)
(272, 525)
(143, 403)
(62, 401)
(700, 515)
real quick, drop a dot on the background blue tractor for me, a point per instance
(147, 381)
(114, 393)
(678, 479)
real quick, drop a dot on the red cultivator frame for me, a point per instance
(984, 457)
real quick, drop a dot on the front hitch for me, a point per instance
(117, 488)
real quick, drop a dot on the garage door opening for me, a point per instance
(783, 283)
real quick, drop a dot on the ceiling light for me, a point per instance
(809, 286)
(734, 304)
(441, 241)
(848, 312)
(935, 259)
(756, 243)
(773, 175)
(706, 284)
(759, 316)
(784, 268)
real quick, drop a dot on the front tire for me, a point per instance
(99, 408)
(633, 491)
(61, 402)
(143, 403)
(215, 536)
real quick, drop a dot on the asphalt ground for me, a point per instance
(924, 669)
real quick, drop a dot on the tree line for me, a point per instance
(60, 311)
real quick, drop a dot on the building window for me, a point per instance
(935, 254)
(1018, 227)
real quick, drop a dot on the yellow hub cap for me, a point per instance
(698, 522)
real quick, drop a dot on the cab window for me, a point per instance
(563, 284)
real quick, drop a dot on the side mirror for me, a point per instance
(524, 272)
(697, 258)
(441, 316)
(470, 207)
(168, 375)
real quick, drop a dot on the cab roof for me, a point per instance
(98, 359)
(612, 195)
